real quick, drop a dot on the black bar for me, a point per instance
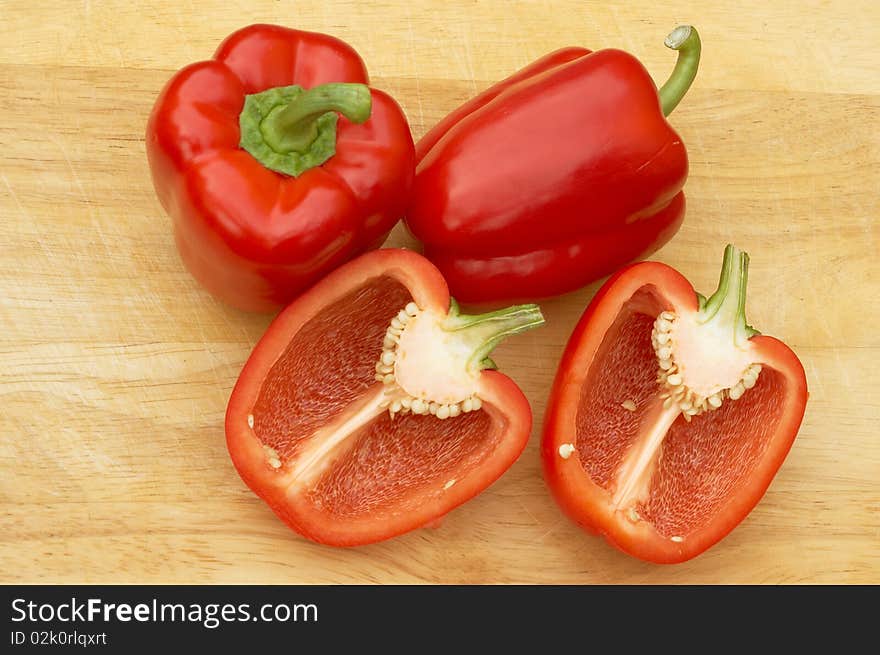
(230, 617)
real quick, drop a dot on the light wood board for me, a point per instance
(116, 367)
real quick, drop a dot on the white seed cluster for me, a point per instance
(396, 399)
(669, 375)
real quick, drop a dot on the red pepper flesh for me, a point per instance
(631, 451)
(255, 237)
(554, 177)
(310, 425)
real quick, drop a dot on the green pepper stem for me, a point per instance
(686, 41)
(294, 127)
(483, 332)
(727, 306)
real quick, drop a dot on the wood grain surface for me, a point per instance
(116, 367)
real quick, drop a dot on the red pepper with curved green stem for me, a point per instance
(669, 415)
(370, 406)
(554, 177)
(277, 163)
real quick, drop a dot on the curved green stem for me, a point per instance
(686, 41)
(727, 306)
(483, 332)
(289, 129)
(294, 127)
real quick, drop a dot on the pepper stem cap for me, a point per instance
(289, 129)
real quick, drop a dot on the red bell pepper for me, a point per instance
(555, 176)
(268, 187)
(669, 415)
(368, 408)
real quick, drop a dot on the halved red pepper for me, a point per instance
(367, 408)
(669, 415)
(268, 187)
(554, 177)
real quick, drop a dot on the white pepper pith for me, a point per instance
(398, 400)
(671, 378)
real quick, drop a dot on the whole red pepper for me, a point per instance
(268, 187)
(555, 176)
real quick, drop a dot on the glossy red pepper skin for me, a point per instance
(549, 180)
(253, 237)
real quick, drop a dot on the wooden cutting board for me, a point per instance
(116, 367)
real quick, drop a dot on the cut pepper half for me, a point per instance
(669, 415)
(367, 410)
